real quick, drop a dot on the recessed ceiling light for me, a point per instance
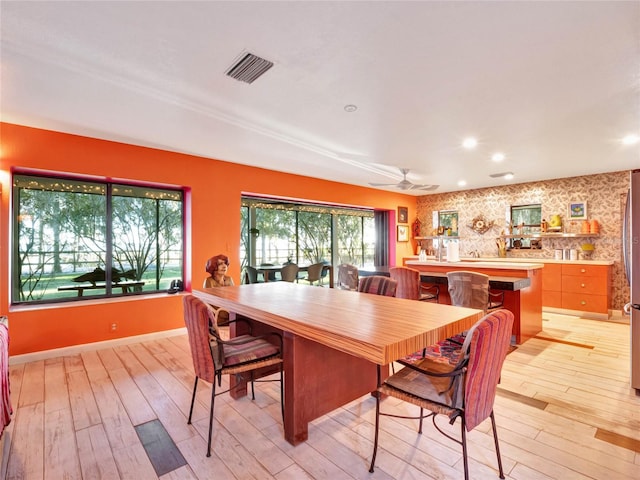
(497, 157)
(462, 183)
(470, 143)
(350, 108)
(631, 139)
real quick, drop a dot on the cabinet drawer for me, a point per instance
(585, 303)
(584, 285)
(552, 277)
(585, 270)
(551, 299)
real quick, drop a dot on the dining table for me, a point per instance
(333, 340)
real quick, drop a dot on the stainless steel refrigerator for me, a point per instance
(631, 254)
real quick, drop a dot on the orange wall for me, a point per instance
(216, 188)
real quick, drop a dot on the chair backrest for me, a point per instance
(488, 342)
(348, 277)
(198, 317)
(408, 282)
(378, 285)
(289, 273)
(314, 271)
(468, 289)
(250, 275)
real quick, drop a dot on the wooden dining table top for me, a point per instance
(377, 328)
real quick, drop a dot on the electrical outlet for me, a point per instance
(114, 327)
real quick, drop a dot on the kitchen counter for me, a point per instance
(524, 303)
(478, 263)
(467, 260)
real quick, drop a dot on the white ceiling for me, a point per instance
(554, 85)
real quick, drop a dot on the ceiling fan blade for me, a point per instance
(425, 187)
(383, 184)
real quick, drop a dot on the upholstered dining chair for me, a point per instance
(471, 289)
(289, 273)
(465, 390)
(409, 285)
(378, 285)
(250, 275)
(314, 273)
(213, 357)
(347, 277)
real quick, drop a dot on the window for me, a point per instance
(525, 220)
(67, 230)
(448, 219)
(276, 232)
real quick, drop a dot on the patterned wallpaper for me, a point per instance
(605, 195)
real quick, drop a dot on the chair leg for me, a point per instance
(495, 439)
(375, 439)
(421, 418)
(253, 392)
(464, 449)
(193, 399)
(213, 399)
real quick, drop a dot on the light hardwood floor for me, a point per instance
(564, 410)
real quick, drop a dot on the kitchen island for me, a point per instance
(572, 287)
(525, 303)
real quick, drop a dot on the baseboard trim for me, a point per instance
(75, 349)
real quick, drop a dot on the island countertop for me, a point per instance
(479, 263)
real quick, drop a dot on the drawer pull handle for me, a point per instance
(583, 302)
(582, 285)
(582, 270)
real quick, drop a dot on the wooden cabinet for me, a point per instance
(552, 285)
(577, 287)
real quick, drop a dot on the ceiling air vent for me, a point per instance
(249, 68)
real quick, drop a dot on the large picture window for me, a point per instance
(66, 231)
(279, 232)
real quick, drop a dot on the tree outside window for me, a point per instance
(67, 230)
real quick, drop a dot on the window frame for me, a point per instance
(250, 232)
(156, 191)
(529, 228)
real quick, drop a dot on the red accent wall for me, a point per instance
(213, 226)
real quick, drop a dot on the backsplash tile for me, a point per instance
(604, 193)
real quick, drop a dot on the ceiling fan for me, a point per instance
(405, 184)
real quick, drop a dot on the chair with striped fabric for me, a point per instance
(378, 285)
(409, 285)
(466, 390)
(213, 357)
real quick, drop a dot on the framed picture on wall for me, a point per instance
(403, 214)
(577, 211)
(403, 233)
